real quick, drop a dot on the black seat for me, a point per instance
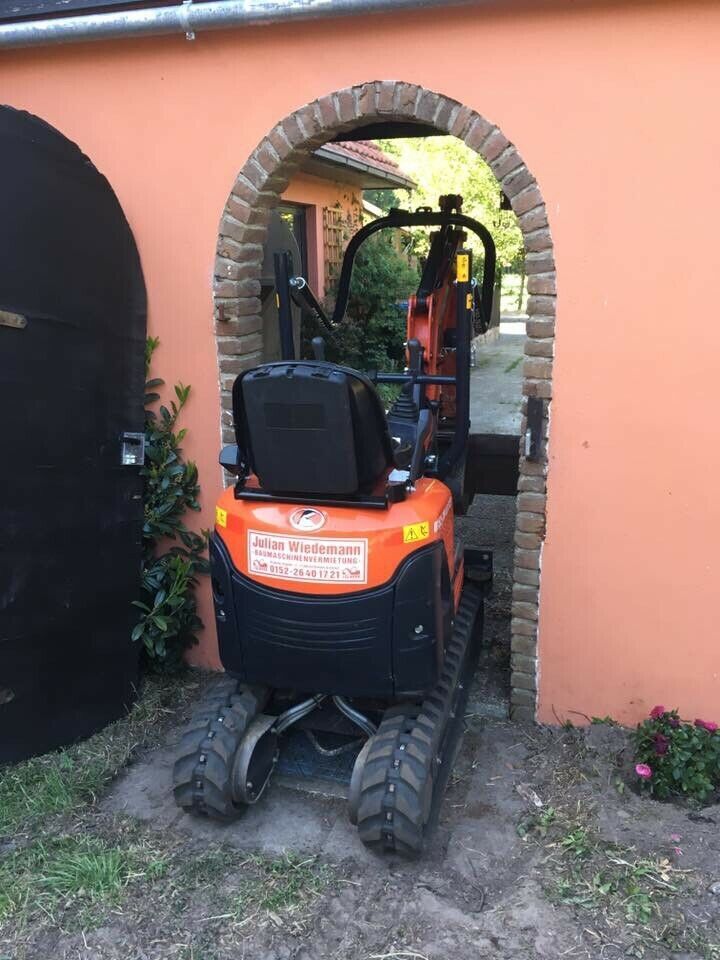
(311, 428)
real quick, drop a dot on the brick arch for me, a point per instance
(238, 324)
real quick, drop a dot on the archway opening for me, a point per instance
(370, 112)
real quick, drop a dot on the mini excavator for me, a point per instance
(343, 598)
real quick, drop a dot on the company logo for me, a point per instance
(307, 519)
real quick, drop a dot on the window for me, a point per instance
(294, 216)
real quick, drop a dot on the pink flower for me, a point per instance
(657, 712)
(677, 851)
(643, 771)
(706, 725)
(662, 744)
(675, 837)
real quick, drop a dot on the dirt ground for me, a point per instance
(543, 849)
(542, 852)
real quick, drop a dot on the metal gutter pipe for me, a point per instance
(189, 18)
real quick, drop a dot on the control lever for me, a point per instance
(414, 355)
(318, 348)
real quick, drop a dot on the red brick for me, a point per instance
(240, 346)
(544, 284)
(529, 559)
(525, 646)
(366, 100)
(516, 181)
(539, 368)
(539, 262)
(539, 348)
(540, 327)
(508, 161)
(524, 610)
(537, 388)
(530, 577)
(526, 200)
(386, 95)
(428, 106)
(443, 115)
(533, 219)
(244, 190)
(522, 681)
(522, 663)
(405, 96)
(232, 366)
(538, 241)
(280, 142)
(526, 541)
(521, 712)
(530, 523)
(346, 105)
(522, 593)
(238, 326)
(266, 156)
(478, 133)
(308, 121)
(325, 106)
(541, 305)
(292, 131)
(462, 120)
(494, 145)
(531, 484)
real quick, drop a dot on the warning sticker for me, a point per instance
(307, 558)
(220, 517)
(416, 531)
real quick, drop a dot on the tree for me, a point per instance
(441, 165)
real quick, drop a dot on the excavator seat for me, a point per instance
(311, 427)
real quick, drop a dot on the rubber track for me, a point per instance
(202, 776)
(396, 793)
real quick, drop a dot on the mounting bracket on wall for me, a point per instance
(132, 452)
(534, 431)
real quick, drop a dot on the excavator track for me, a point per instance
(403, 770)
(203, 772)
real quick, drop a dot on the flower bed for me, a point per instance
(675, 758)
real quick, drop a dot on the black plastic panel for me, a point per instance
(362, 644)
(71, 381)
(312, 428)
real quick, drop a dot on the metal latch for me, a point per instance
(15, 320)
(133, 449)
(534, 431)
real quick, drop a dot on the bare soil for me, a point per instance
(524, 865)
(543, 850)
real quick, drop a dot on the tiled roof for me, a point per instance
(367, 152)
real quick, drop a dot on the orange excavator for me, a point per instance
(346, 606)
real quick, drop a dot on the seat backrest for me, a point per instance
(311, 427)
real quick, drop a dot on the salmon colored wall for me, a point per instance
(613, 109)
(317, 193)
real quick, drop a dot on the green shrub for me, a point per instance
(169, 620)
(372, 333)
(675, 758)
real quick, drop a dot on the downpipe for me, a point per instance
(190, 18)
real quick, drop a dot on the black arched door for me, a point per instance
(72, 335)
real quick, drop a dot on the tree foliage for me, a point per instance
(373, 331)
(441, 165)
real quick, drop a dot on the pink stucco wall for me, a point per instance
(316, 194)
(612, 108)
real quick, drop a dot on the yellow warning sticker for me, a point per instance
(220, 517)
(416, 531)
(463, 268)
(469, 302)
